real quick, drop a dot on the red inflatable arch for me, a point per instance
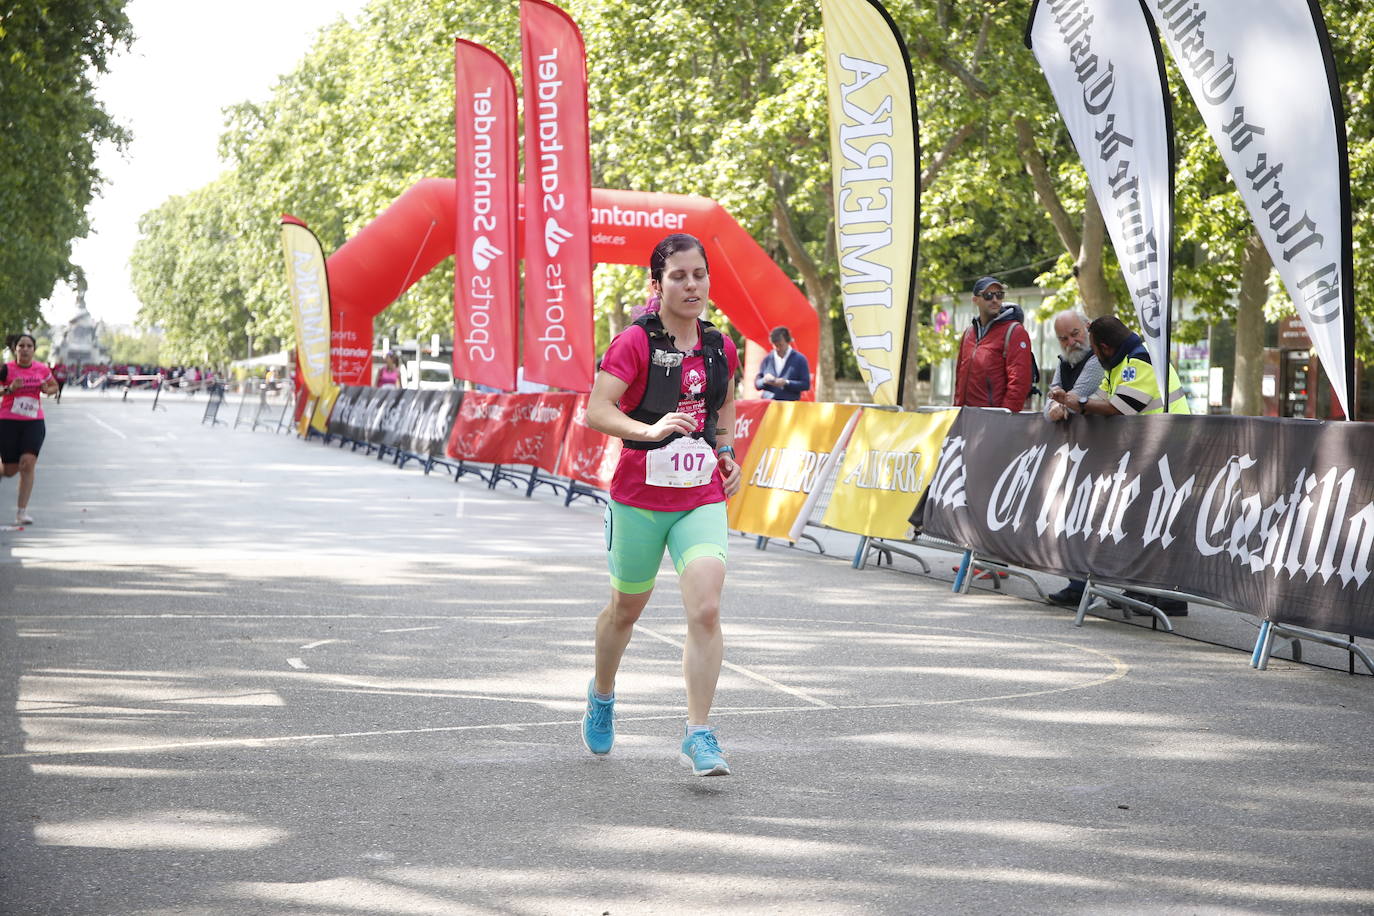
(371, 270)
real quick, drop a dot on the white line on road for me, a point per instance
(1120, 671)
(319, 642)
(410, 629)
(118, 432)
(298, 664)
(762, 679)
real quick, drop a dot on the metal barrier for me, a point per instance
(212, 405)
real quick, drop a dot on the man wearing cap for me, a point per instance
(995, 367)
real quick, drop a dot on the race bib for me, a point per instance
(684, 462)
(25, 407)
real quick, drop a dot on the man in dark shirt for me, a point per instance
(784, 374)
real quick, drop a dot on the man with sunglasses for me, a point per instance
(995, 366)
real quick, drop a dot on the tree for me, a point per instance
(132, 347)
(189, 275)
(737, 114)
(50, 124)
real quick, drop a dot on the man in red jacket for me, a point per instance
(995, 355)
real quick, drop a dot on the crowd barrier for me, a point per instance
(256, 407)
(1274, 518)
(213, 402)
(406, 424)
(1271, 517)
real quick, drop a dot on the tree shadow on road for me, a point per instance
(291, 745)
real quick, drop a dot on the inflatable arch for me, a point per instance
(371, 270)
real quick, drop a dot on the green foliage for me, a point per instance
(193, 280)
(140, 348)
(50, 124)
(716, 98)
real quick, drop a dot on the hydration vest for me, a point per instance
(663, 388)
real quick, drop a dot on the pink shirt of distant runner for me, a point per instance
(32, 384)
(627, 358)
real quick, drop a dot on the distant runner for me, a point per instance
(23, 382)
(666, 387)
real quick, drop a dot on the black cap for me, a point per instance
(984, 282)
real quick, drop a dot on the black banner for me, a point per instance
(1273, 517)
(392, 426)
(430, 433)
(341, 416)
(404, 419)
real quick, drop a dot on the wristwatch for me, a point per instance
(1082, 403)
(724, 449)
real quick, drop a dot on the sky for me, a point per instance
(190, 59)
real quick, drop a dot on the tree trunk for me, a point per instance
(1086, 247)
(824, 381)
(818, 293)
(615, 318)
(910, 381)
(1247, 394)
(1092, 282)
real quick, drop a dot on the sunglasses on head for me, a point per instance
(994, 294)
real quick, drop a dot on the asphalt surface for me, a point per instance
(242, 673)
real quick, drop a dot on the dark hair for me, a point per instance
(780, 333)
(669, 246)
(1108, 331)
(15, 338)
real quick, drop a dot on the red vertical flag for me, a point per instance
(485, 283)
(559, 343)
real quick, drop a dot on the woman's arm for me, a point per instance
(725, 435)
(604, 416)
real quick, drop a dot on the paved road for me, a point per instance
(246, 674)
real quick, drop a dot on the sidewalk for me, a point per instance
(246, 674)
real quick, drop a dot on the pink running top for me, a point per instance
(25, 403)
(627, 358)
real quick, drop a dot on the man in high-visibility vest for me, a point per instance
(1131, 384)
(1131, 388)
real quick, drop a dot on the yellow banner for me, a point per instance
(874, 165)
(306, 418)
(309, 285)
(316, 412)
(784, 463)
(887, 465)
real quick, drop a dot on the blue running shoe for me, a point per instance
(701, 752)
(598, 723)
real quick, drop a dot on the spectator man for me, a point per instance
(1080, 374)
(995, 367)
(1130, 387)
(784, 374)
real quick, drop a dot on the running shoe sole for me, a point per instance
(720, 769)
(607, 753)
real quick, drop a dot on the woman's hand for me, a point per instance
(670, 423)
(730, 473)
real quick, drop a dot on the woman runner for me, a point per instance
(23, 382)
(390, 373)
(666, 387)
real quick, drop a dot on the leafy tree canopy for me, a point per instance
(50, 125)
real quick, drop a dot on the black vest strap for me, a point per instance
(663, 389)
(1069, 372)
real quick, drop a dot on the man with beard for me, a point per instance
(1080, 374)
(1130, 387)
